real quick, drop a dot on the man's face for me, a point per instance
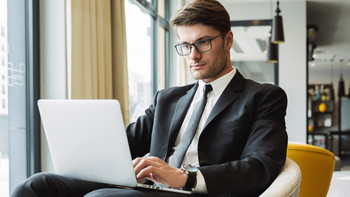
(212, 64)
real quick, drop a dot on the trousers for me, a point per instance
(53, 185)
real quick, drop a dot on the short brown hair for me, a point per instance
(207, 12)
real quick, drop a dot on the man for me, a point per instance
(239, 144)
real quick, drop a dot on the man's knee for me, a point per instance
(33, 184)
(115, 192)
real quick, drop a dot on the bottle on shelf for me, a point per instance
(324, 96)
(318, 93)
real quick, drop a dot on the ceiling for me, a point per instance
(333, 35)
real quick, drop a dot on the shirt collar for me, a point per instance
(219, 84)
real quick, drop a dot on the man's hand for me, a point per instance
(159, 171)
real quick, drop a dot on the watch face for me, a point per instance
(190, 168)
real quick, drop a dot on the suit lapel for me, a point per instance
(229, 95)
(179, 115)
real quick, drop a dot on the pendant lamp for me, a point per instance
(272, 48)
(349, 91)
(277, 27)
(341, 88)
(349, 83)
(272, 52)
(331, 91)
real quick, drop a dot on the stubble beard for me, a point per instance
(211, 72)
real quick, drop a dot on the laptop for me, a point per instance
(88, 141)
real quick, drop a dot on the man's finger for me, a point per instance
(136, 161)
(146, 172)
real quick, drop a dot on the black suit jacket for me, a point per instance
(243, 144)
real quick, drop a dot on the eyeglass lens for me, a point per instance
(201, 46)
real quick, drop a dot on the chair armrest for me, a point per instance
(287, 182)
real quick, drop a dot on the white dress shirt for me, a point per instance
(191, 156)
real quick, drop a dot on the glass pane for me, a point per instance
(161, 58)
(4, 156)
(138, 33)
(249, 51)
(12, 95)
(259, 71)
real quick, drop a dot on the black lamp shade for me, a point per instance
(277, 30)
(310, 51)
(272, 52)
(341, 88)
(331, 92)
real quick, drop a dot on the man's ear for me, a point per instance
(228, 40)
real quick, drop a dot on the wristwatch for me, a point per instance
(191, 172)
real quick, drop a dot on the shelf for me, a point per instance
(318, 139)
(321, 109)
(318, 106)
(320, 92)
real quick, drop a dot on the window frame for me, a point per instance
(157, 21)
(33, 86)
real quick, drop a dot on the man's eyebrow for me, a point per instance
(200, 38)
(183, 43)
(204, 37)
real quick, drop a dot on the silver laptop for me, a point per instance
(87, 141)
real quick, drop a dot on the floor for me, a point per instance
(340, 183)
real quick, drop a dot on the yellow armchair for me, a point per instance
(317, 166)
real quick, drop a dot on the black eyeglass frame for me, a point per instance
(194, 44)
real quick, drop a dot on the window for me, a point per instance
(146, 32)
(4, 151)
(3, 104)
(19, 123)
(138, 31)
(249, 50)
(3, 28)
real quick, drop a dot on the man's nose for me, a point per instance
(195, 54)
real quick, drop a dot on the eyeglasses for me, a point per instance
(200, 45)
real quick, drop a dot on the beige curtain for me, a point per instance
(99, 65)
